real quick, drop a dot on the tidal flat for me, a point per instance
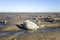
(49, 31)
(42, 34)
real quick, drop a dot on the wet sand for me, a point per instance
(9, 31)
(41, 34)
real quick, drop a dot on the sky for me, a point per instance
(29, 5)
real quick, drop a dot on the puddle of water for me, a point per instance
(3, 34)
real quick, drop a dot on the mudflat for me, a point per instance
(49, 24)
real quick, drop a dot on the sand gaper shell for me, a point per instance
(30, 25)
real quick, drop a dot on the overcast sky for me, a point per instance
(29, 5)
